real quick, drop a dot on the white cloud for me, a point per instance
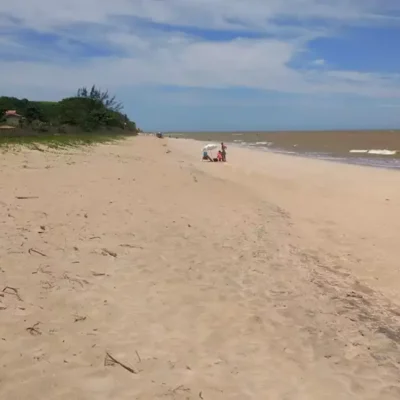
(255, 14)
(319, 62)
(164, 57)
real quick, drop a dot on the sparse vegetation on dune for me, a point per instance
(58, 141)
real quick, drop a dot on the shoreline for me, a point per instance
(375, 162)
(370, 162)
(340, 146)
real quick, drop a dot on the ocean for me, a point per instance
(373, 148)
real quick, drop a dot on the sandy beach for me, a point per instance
(136, 271)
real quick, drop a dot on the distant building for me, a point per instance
(12, 117)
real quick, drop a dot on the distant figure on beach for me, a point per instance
(219, 155)
(223, 151)
(206, 157)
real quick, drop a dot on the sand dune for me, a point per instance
(268, 277)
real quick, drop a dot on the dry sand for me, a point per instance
(269, 277)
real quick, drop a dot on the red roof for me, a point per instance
(12, 113)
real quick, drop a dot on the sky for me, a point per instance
(212, 64)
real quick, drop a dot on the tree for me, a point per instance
(108, 101)
(34, 113)
(80, 111)
(2, 114)
(39, 126)
(88, 113)
(82, 92)
(49, 110)
(89, 110)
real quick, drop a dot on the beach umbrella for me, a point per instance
(210, 146)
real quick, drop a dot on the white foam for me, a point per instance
(374, 151)
(383, 152)
(358, 151)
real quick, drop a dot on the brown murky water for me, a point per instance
(331, 145)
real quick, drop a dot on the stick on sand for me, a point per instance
(114, 360)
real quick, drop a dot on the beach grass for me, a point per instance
(58, 141)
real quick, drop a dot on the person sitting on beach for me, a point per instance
(223, 151)
(206, 157)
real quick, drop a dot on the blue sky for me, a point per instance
(212, 64)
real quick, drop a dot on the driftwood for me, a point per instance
(131, 246)
(109, 252)
(33, 330)
(14, 291)
(98, 274)
(26, 197)
(109, 360)
(30, 251)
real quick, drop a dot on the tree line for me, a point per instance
(89, 110)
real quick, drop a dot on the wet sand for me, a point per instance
(268, 277)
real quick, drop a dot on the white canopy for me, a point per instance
(210, 146)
